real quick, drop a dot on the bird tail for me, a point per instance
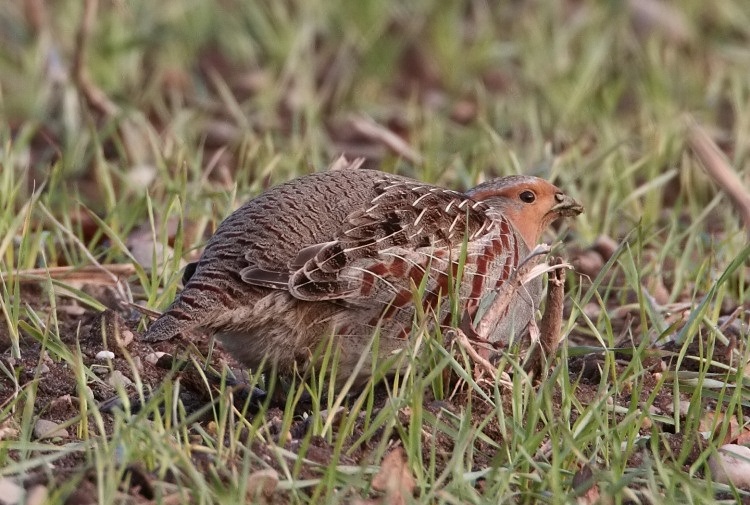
(190, 310)
(165, 328)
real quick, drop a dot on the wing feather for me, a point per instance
(405, 226)
(407, 231)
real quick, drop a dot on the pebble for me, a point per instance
(731, 464)
(141, 176)
(117, 378)
(37, 495)
(8, 431)
(153, 357)
(124, 338)
(62, 402)
(72, 310)
(588, 263)
(105, 355)
(606, 246)
(683, 407)
(10, 492)
(49, 429)
(262, 484)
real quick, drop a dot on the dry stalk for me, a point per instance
(372, 130)
(95, 97)
(718, 168)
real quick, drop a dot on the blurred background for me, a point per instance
(106, 105)
(129, 129)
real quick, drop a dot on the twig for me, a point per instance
(342, 163)
(103, 275)
(718, 168)
(95, 97)
(372, 130)
(36, 16)
(466, 344)
(153, 314)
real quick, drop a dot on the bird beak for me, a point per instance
(566, 206)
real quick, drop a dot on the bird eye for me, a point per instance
(527, 196)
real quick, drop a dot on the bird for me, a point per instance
(352, 253)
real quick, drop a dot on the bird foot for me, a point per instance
(547, 340)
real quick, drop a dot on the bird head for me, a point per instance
(530, 203)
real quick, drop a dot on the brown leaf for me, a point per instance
(585, 486)
(262, 484)
(655, 16)
(394, 478)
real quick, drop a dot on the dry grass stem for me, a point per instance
(373, 131)
(98, 275)
(718, 168)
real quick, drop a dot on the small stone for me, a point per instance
(589, 263)
(606, 246)
(62, 402)
(37, 495)
(165, 362)
(262, 483)
(141, 176)
(117, 378)
(100, 370)
(592, 310)
(154, 357)
(8, 430)
(683, 406)
(43, 368)
(10, 492)
(49, 429)
(105, 355)
(731, 464)
(71, 310)
(124, 338)
(646, 423)
(464, 111)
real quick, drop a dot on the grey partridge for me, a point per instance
(339, 254)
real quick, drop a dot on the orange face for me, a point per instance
(530, 203)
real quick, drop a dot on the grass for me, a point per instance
(218, 100)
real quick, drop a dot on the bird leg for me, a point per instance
(480, 358)
(545, 345)
(530, 267)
